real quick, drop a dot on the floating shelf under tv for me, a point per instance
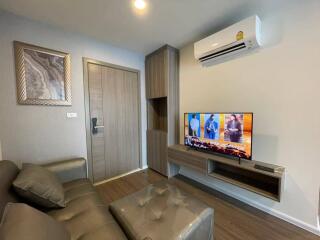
(244, 175)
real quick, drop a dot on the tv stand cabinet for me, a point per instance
(243, 175)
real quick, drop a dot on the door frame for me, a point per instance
(87, 61)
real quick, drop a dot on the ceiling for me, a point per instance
(176, 22)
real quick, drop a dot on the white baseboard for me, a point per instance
(278, 214)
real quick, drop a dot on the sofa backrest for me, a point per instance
(8, 173)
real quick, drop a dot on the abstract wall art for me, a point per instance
(43, 75)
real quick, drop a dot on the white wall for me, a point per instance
(42, 134)
(281, 85)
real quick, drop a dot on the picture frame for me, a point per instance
(43, 75)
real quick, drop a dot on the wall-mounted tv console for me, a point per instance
(243, 175)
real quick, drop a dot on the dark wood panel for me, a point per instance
(173, 95)
(233, 220)
(156, 79)
(183, 158)
(157, 151)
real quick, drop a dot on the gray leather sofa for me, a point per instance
(85, 216)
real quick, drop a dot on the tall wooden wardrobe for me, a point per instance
(162, 92)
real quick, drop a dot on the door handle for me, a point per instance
(95, 127)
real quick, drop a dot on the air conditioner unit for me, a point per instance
(230, 42)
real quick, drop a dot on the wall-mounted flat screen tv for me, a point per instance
(223, 133)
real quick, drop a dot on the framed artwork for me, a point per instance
(43, 75)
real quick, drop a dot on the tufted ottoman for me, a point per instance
(163, 212)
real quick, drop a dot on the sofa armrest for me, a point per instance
(69, 170)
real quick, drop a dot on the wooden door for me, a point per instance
(114, 119)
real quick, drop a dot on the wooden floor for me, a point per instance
(233, 220)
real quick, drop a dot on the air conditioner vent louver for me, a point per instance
(223, 52)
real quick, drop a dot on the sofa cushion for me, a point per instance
(86, 216)
(21, 221)
(39, 186)
(164, 212)
(8, 172)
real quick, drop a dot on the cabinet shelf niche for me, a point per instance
(157, 114)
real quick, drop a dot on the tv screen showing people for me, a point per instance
(224, 133)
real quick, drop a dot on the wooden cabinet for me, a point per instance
(162, 91)
(162, 72)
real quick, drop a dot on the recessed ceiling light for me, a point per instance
(140, 4)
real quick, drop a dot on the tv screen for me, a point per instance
(223, 133)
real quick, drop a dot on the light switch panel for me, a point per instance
(72, 115)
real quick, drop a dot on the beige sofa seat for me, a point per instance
(85, 215)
